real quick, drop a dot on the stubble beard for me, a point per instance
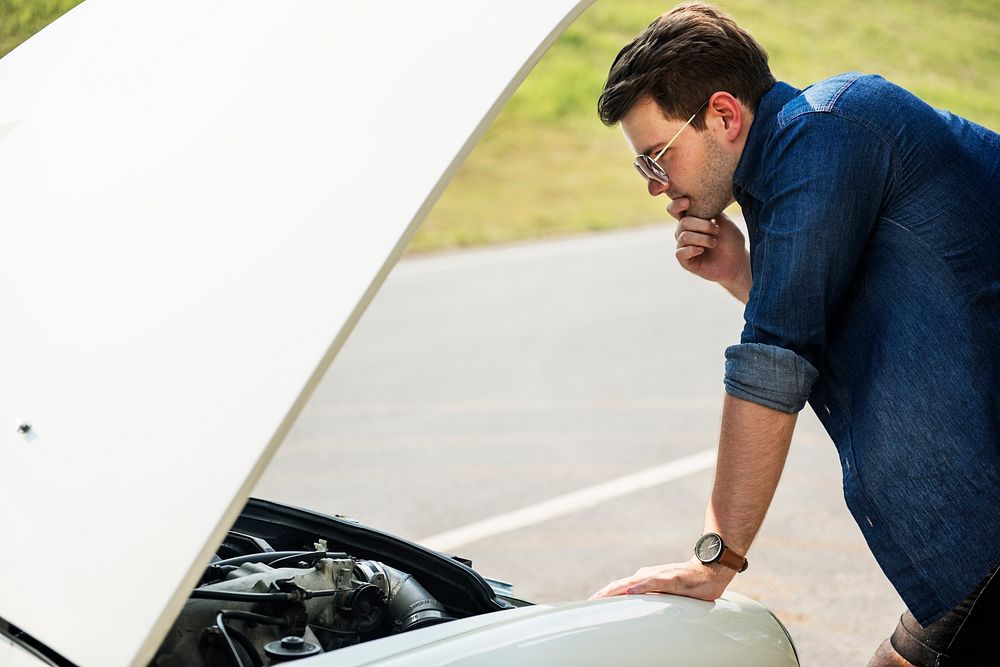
(714, 189)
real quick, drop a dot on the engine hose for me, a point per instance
(410, 605)
(247, 645)
(243, 641)
(252, 558)
(240, 596)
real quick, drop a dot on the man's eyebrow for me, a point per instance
(652, 149)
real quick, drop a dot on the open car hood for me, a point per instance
(198, 202)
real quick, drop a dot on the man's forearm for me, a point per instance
(752, 450)
(753, 445)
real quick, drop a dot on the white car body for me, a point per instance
(198, 202)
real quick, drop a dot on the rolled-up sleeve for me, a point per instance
(826, 179)
(771, 376)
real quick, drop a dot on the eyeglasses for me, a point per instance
(649, 167)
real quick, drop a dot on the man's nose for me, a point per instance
(655, 187)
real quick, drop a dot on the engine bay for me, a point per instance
(288, 584)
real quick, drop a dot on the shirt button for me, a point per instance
(869, 520)
(827, 408)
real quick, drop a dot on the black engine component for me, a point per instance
(410, 605)
(365, 606)
(290, 648)
(275, 606)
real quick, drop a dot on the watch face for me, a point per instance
(709, 548)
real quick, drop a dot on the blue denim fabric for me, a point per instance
(874, 224)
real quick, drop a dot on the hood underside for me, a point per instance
(199, 200)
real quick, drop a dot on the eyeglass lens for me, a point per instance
(648, 168)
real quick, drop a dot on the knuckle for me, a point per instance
(690, 238)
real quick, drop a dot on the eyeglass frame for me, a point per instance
(653, 170)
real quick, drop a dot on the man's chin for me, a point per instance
(700, 207)
(704, 213)
(706, 210)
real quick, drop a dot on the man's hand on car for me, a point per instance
(691, 578)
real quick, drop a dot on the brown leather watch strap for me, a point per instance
(732, 560)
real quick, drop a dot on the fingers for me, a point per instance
(696, 225)
(689, 238)
(687, 253)
(692, 243)
(694, 236)
(650, 585)
(692, 579)
(642, 581)
(676, 582)
(634, 585)
(614, 588)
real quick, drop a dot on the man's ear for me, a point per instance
(726, 112)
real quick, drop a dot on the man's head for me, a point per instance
(693, 57)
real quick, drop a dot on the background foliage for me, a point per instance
(19, 19)
(548, 166)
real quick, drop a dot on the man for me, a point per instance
(872, 287)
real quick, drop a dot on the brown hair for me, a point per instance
(680, 60)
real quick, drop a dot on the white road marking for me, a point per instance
(518, 405)
(571, 502)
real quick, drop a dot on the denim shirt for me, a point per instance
(874, 224)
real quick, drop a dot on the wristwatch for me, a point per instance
(711, 549)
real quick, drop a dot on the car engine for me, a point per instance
(277, 606)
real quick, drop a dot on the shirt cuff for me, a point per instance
(770, 376)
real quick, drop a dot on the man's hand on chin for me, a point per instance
(691, 579)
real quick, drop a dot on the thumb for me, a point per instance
(678, 207)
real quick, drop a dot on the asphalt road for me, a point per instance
(484, 382)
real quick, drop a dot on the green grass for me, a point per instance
(547, 166)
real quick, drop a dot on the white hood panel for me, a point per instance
(197, 201)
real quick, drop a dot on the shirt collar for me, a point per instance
(748, 172)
